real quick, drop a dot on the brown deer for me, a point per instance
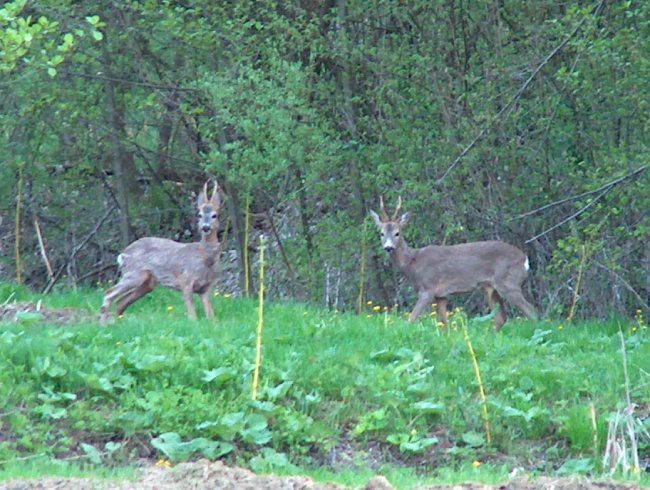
(186, 267)
(440, 271)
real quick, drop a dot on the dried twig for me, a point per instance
(52, 282)
(41, 247)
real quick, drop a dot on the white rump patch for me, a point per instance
(527, 265)
(120, 260)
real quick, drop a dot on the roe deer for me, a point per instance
(439, 271)
(186, 267)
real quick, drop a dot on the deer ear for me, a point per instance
(200, 201)
(405, 218)
(375, 218)
(216, 196)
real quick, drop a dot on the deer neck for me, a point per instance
(404, 256)
(210, 240)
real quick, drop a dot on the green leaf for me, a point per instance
(429, 407)
(98, 35)
(93, 20)
(219, 376)
(171, 445)
(473, 439)
(111, 447)
(31, 317)
(279, 391)
(92, 453)
(52, 73)
(256, 431)
(576, 466)
(418, 445)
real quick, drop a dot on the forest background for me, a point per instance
(524, 121)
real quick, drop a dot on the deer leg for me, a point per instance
(135, 294)
(207, 305)
(442, 310)
(424, 299)
(516, 297)
(494, 299)
(189, 304)
(125, 286)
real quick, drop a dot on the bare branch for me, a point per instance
(578, 196)
(506, 108)
(569, 218)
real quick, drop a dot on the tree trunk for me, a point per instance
(123, 163)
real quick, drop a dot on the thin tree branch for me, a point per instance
(569, 218)
(506, 108)
(578, 196)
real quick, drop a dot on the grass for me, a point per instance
(341, 396)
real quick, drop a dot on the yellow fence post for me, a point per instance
(260, 321)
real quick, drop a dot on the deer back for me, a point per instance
(461, 268)
(173, 264)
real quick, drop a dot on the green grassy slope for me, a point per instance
(337, 391)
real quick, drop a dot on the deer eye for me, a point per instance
(214, 215)
(382, 233)
(397, 234)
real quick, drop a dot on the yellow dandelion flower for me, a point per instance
(634, 329)
(120, 317)
(369, 302)
(368, 316)
(638, 312)
(385, 308)
(440, 325)
(433, 313)
(216, 293)
(476, 464)
(413, 432)
(163, 463)
(170, 308)
(227, 295)
(376, 308)
(560, 327)
(434, 305)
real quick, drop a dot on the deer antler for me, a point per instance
(215, 194)
(398, 208)
(205, 190)
(382, 209)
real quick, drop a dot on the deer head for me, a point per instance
(208, 210)
(390, 228)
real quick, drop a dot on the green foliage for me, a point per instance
(309, 113)
(328, 381)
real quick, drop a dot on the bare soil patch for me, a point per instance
(36, 312)
(216, 475)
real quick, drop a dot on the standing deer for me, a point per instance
(186, 267)
(440, 271)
